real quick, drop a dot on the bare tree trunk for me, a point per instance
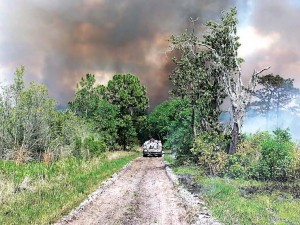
(234, 138)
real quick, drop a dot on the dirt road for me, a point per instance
(143, 194)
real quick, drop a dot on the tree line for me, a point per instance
(99, 118)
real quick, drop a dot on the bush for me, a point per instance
(277, 155)
(209, 150)
(239, 165)
(265, 156)
(295, 166)
(95, 146)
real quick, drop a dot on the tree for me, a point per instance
(163, 115)
(87, 97)
(106, 121)
(191, 80)
(126, 92)
(221, 40)
(25, 117)
(31, 128)
(37, 109)
(170, 122)
(71, 134)
(276, 93)
(129, 96)
(90, 103)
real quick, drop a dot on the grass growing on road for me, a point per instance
(246, 202)
(53, 189)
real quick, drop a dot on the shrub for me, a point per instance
(95, 146)
(265, 156)
(282, 135)
(77, 147)
(295, 166)
(277, 156)
(209, 150)
(240, 164)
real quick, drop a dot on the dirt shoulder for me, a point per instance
(142, 194)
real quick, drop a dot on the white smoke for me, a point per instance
(285, 119)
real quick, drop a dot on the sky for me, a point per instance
(58, 42)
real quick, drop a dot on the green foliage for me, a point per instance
(180, 139)
(261, 156)
(276, 159)
(192, 80)
(90, 104)
(116, 111)
(126, 132)
(222, 37)
(68, 134)
(223, 43)
(106, 121)
(87, 97)
(31, 128)
(209, 148)
(95, 146)
(129, 96)
(208, 70)
(25, 116)
(160, 120)
(265, 156)
(126, 92)
(77, 147)
(240, 165)
(171, 122)
(282, 135)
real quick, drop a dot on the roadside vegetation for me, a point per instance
(40, 193)
(98, 119)
(243, 178)
(257, 185)
(51, 160)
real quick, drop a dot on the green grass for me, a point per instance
(168, 157)
(57, 187)
(231, 204)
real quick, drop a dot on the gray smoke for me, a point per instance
(60, 41)
(284, 119)
(281, 19)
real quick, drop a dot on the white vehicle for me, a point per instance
(152, 147)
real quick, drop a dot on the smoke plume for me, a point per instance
(272, 37)
(60, 41)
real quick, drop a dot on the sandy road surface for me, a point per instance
(143, 194)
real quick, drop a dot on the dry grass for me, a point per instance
(21, 155)
(48, 157)
(117, 155)
(7, 188)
